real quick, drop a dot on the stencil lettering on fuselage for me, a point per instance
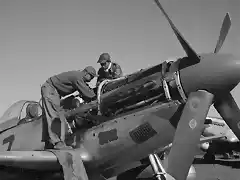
(107, 136)
(9, 140)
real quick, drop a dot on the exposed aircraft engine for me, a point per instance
(142, 88)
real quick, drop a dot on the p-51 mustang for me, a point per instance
(217, 126)
(134, 117)
(227, 147)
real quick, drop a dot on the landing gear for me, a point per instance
(159, 171)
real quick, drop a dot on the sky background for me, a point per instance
(41, 38)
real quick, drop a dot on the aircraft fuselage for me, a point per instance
(112, 144)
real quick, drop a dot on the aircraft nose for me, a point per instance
(215, 73)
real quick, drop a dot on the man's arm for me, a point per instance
(84, 90)
(101, 76)
(117, 72)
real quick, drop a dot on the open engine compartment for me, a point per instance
(119, 96)
(142, 88)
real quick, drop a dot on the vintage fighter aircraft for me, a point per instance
(227, 147)
(217, 139)
(217, 126)
(131, 119)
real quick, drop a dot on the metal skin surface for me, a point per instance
(125, 139)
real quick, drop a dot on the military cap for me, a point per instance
(104, 57)
(91, 70)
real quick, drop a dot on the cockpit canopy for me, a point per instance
(32, 110)
(21, 110)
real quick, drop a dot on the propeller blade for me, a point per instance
(187, 48)
(223, 33)
(228, 109)
(188, 133)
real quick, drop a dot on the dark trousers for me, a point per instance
(52, 112)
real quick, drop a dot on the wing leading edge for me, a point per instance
(52, 160)
(35, 160)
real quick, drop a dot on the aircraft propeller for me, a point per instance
(226, 105)
(187, 48)
(188, 133)
(191, 122)
(223, 33)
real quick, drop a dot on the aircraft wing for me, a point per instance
(52, 160)
(35, 160)
(207, 139)
(202, 140)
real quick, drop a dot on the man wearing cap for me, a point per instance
(109, 69)
(52, 90)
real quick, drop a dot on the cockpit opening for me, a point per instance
(30, 111)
